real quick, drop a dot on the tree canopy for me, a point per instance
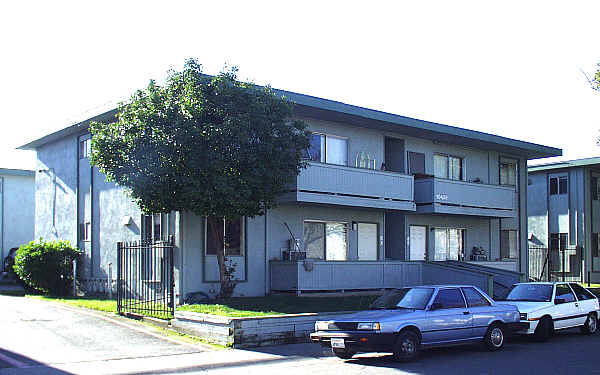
(214, 146)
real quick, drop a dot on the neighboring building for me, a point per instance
(446, 194)
(563, 207)
(17, 218)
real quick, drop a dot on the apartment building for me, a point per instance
(563, 210)
(382, 195)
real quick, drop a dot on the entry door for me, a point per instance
(417, 242)
(567, 313)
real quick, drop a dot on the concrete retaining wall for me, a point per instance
(251, 331)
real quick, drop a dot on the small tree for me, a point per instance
(47, 266)
(214, 146)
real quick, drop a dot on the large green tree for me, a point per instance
(211, 145)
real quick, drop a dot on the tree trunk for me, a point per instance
(225, 277)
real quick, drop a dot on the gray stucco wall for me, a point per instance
(17, 210)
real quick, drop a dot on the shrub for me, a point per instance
(47, 266)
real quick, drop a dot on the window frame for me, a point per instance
(85, 148)
(556, 182)
(323, 142)
(515, 164)
(461, 254)
(163, 231)
(463, 167)
(242, 252)
(325, 222)
(85, 231)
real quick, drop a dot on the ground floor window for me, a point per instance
(367, 241)
(155, 227)
(225, 233)
(449, 244)
(326, 240)
(509, 244)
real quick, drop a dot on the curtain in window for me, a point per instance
(454, 244)
(455, 168)
(336, 241)
(367, 241)
(440, 166)
(441, 244)
(337, 150)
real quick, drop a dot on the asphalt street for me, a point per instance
(43, 338)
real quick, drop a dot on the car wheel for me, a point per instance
(343, 353)
(407, 346)
(544, 330)
(591, 324)
(494, 337)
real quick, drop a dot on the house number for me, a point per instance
(441, 197)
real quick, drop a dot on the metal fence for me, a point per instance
(547, 264)
(145, 280)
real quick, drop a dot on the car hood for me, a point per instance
(374, 315)
(526, 307)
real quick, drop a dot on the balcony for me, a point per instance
(354, 187)
(435, 195)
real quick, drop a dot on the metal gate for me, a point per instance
(547, 264)
(145, 280)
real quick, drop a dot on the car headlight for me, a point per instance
(523, 316)
(321, 326)
(368, 326)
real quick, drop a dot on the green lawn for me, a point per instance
(278, 305)
(240, 306)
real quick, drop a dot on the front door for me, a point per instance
(448, 318)
(417, 242)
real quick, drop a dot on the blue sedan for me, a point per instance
(403, 321)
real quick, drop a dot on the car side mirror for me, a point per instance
(436, 306)
(558, 301)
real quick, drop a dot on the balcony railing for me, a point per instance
(348, 186)
(435, 195)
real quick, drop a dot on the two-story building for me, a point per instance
(563, 206)
(382, 195)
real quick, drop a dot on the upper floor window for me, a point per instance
(85, 148)
(447, 166)
(85, 231)
(559, 185)
(509, 244)
(508, 173)
(327, 148)
(595, 187)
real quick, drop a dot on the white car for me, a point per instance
(552, 306)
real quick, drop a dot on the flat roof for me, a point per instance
(564, 164)
(326, 109)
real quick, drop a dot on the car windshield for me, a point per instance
(405, 298)
(530, 293)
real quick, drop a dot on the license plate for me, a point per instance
(337, 343)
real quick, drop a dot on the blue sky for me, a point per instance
(511, 68)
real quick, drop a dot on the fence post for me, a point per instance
(74, 278)
(119, 276)
(110, 280)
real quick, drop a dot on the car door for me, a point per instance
(566, 308)
(481, 312)
(448, 318)
(586, 300)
